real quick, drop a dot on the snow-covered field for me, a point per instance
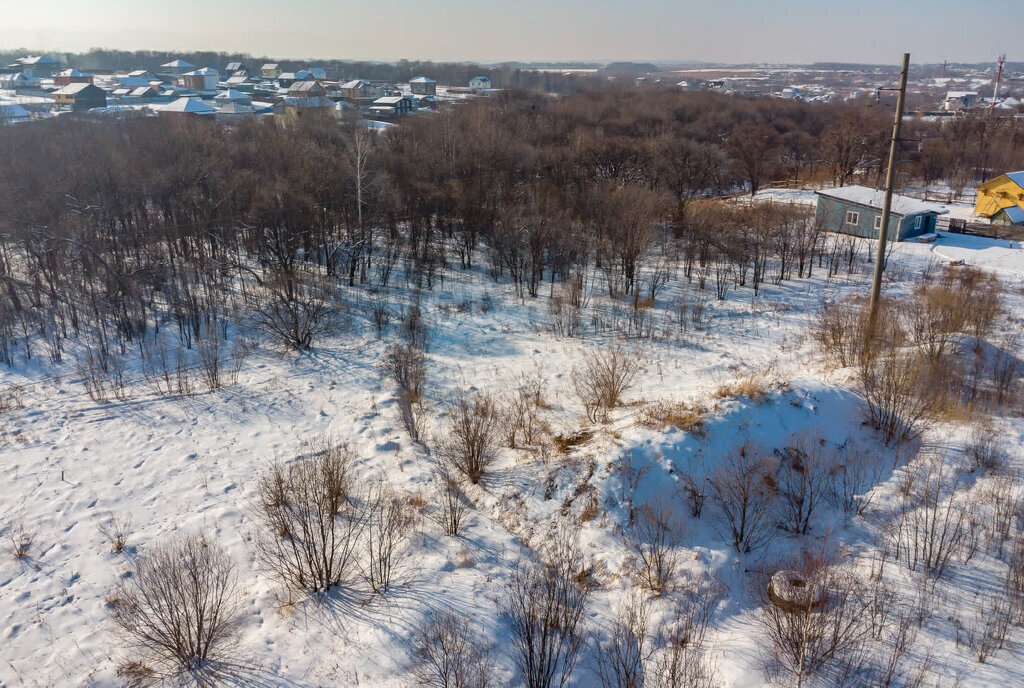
(191, 464)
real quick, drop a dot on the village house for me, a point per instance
(186, 107)
(857, 210)
(302, 89)
(177, 67)
(12, 113)
(71, 76)
(423, 86)
(79, 97)
(391, 106)
(232, 96)
(290, 106)
(143, 74)
(235, 67)
(479, 83)
(960, 100)
(359, 90)
(19, 82)
(231, 112)
(204, 79)
(1001, 200)
(37, 66)
(286, 79)
(271, 70)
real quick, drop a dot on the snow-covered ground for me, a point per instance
(185, 464)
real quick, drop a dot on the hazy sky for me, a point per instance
(715, 30)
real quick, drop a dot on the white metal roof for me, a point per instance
(874, 198)
(188, 105)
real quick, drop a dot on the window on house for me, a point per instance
(878, 221)
(917, 222)
(852, 217)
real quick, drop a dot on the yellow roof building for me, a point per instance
(1005, 192)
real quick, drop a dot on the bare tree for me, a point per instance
(453, 506)
(654, 538)
(602, 379)
(389, 526)
(622, 654)
(179, 611)
(471, 440)
(826, 626)
(295, 309)
(900, 391)
(448, 653)
(311, 518)
(544, 603)
(804, 480)
(743, 489)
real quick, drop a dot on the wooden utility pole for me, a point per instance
(890, 179)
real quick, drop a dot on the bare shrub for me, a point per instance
(654, 538)
(10, 397)
(900, 393)
(681, 661)
(985, 450)
(211, 362)
(1006, 369)
(622, 654)
(448, 653)
(1014, 583)
(743, 488)
(413, 327)
(544, 603)
(453, 506)
(803, 640)
(406, 366)
(470, 443)
(116, 530)
(412, 413)
(179, 611)
(311, 519)
(993, 617)
(840, 330)
(294, 309)
(856, 471)
(521, 412)
(380, 310)
(934, 519)
(388, 528)
(804, 480)
(602, 379)
(695, 495)
(94, 376)
(21, 539)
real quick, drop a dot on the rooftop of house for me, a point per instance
(188, 105)
(904, 206)
(73, 89)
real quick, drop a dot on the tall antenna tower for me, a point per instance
(995, 90)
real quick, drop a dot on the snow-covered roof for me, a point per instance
(231, 94)
(72, 89)
(389, 100)
(422, 80)
(192, 106)
(236, 109)
(269, 65)
(178, 64)
(355, 83)
(12, 111)
(142, 90)
(874, 198)
(960, 94)
(35, 59)
(205, 71)
(73, 73)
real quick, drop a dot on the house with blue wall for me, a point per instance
(857, 210)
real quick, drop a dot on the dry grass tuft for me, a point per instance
(563, 443)
(681, 415)
(753, 386)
